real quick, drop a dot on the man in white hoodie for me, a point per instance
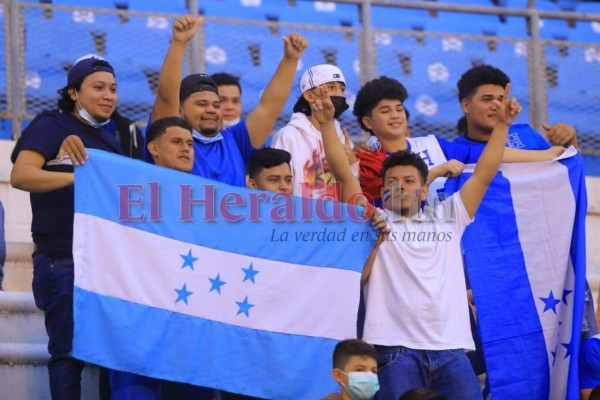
(301, 137)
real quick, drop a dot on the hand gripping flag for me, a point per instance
(185, 279)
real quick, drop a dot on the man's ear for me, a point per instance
(337, 375)
(72, 93)
(308, 96)
(153, 149)
(424, 192)
(465, 106)
(252, 183)
(367, 122)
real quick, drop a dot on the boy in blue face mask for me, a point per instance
(355, 369)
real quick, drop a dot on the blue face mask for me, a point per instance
(361, 385)
(206, 139)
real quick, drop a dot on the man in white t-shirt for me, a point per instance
(416, 304)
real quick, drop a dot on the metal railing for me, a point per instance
(555, 79)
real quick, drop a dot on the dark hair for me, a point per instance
(65, 102)
(422, 394)
(223, 78)
(351, 347)
(267, 158)
(405, 157)
(595, 394)
(461, 125)
(302, 106)
(160, 126)
(373, 92)
(478, 76)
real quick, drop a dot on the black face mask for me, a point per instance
(340, 105)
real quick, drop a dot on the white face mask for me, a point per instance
(87, 117)
(227, 124)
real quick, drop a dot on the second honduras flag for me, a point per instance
(525, 258)
(185, 279)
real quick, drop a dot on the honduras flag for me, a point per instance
(525, 258)
(185, 279)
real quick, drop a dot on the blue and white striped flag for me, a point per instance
(186, 279)
(525, 258)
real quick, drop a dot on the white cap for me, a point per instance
(320, 74)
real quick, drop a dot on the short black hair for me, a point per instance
(160, 126)
(422, 394)
(267, 157)
(405, 157)
(478, 76)
(223, 78)
(351, 347)
(373, 92)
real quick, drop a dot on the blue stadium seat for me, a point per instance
(41, 87)
(552, 28)
(586, 31)
(450, 22)
(150, 47)
(568, 5)
(58, 37)
(233, 9)
(134, 92)
(324, 13)
(434, 103)
(399, 18)
(230, 46)
(84, 3)
(171, 6)
(512, 27)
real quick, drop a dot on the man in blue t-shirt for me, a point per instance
(221, 154)
(478, 87)
(86, 104)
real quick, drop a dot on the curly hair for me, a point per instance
(405, 157)
(373, 92)
(478, 76)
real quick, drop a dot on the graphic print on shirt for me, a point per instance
(318, 178)
(514, 141)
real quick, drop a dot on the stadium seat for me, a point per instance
(234, 9)
(83, 3)
(171, 6)
(586, 31)
(45, 37)
(135, 96)
(451, 22)
(568, 5)
(150, 46)
(41, 87)
(552, 28)
(319, 12)
(399, 18)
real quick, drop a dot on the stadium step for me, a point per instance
(18, 268)
(24, 354)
